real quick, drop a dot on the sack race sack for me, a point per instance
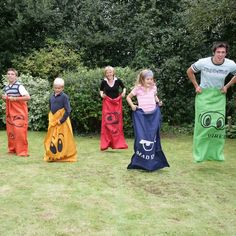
(148, 154)
(59, 141)
(209, 130)
(17, 126)
(112, 134)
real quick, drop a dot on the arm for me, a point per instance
(123, 92)
(67, 108)
(102, 94)
(230, 83)
(121, 84)
(24, 98)
(192, 78)
(158, 101)
(130, 102)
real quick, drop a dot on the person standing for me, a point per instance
(59, 141)
(112, 113)
(146, 116)
(16, 97)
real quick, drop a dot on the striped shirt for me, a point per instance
(146, 98)
(15, 90)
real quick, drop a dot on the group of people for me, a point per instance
(59, 143)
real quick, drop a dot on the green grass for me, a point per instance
(99, 196)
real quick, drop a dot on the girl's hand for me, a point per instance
(134, 107)
(103, 95)
(160, 103)
(123, 94)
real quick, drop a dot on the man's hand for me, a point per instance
(198, 89)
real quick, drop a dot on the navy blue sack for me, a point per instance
(148, 154)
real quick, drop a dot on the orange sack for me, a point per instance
(59, 142)
(17, 126)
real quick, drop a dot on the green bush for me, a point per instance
(48, 62)
(39, 91)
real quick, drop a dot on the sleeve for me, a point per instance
(134, 91)
(197, 66)
(155, 90)
(49, 103)
(233, 68)
(67, 109)
(23, 91)
(102, 86)
(121, 84)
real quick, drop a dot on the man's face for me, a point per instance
(11, 76)
(219, 55)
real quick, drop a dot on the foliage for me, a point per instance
(48, 62)
(38, 104)
(230, 128)
(167, 36)
(24, 26)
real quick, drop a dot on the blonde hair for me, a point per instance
(142, 75)
(58, 81)
(109, 68)
(14, 70)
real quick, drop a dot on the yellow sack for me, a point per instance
(59, 141)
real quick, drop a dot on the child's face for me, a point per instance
(11, 76)
(148, 82)
(57, 89)
(109, 74)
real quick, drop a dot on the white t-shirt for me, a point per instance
(213, 75)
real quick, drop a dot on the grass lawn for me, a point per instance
(99, 196)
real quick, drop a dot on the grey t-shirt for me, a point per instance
(213, 75)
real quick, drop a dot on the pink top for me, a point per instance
(146, 98)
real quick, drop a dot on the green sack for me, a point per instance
(209, 130)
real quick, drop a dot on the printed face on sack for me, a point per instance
(56, 147)
(147, 145)
(112, 122)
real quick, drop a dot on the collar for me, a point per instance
(215, 63)
(114, 79)
(59, 94)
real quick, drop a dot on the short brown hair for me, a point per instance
(220, 45)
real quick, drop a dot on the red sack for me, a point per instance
(112, 134)
(17, 126)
